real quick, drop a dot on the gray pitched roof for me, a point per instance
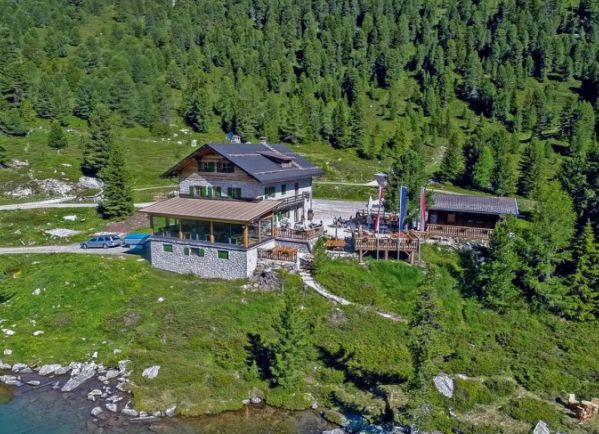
(262, 162)
(474, 204)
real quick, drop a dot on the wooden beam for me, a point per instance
(259, 230)
(211, 231)
(273, 230)
(180, 230)
(246, 236)
(152, 224)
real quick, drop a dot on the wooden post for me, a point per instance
(273, 230)
(211, 231)
(152, 224)
(259, 230)
(386, 254)
(180, 230)
(246, 237)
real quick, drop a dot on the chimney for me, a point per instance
(263, 141)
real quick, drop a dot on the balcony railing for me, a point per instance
(390, 244)
(278, 255)
(461, 232)
(292, 201)
(300, 234)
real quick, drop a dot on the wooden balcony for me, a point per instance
(292, 201)
(386, 244)
(277, 254)
(459, 232)
(300, 234)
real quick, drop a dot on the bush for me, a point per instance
(468, 394)
(532, 410)
(500, 386)
(289, 398)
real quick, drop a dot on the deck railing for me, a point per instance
(462, 232)
(292, 201)
(391, 244)
(278, 255)
(300, 234)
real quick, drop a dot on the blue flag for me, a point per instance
(403, 207)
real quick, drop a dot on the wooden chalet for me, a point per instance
(467, 217)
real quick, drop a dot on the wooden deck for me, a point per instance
(410, 246)
(459, 232)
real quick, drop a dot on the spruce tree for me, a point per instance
(97, 149)
(356, 129)
(532, 169)
(292, 130)
(198, 110)
(503, 176)
(289, 350)
(118, 197)
(340, 137)
(408, 170)
(452, 166)
(583, 298)
(483, 169)
(57, 139)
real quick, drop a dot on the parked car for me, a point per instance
(102, 241)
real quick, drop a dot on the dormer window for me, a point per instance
(215, 166)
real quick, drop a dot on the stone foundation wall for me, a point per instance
(240, 265)
(301, 246)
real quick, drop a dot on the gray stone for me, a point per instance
(130, 412)
(26, 371)
(541, 428)
(112, 407)
(151, 372)
(62, 371)
(49, 369)
(255, 400)
(111, 373)
(78, 379)
(96, 411)
(171, 411)
(5, 366)
(444, 384)
(34, 383)
(334, 431)
(5, 378)
(18, 367)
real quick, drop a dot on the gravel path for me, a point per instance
(69, 248)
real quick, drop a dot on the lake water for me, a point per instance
(45, 411)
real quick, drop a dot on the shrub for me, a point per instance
(500, 386)
(468, 393)
(532, 410)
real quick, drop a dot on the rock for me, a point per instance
(334, 431)
(130, 412)
(171, 411)
(151, 372)
(158, 414)
(111, 373)
(444, 384)
(541, 428)
(112, 407)
(38, 333)
(34, 383)
(63, 370)
(36, 291)
(70, 218)
(5, 366)
(49, 369)
(160, 299)
(62, 233)
(7, 352)
(123, 365)
(255, 400)
(115, 399)
(5, 378)
(89, 182)
(96, 411)
(8, 332)
(26, 371)
(18, 367)
(117, 350)
(78, 379)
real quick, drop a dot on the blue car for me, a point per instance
(102, 241)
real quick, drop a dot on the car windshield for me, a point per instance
(115, 237)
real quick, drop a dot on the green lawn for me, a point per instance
(27, 227)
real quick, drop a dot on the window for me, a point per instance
(194, 191)
(167, 248)
(234, 192)
(206, 191)
(283, 189)
(218, 192)
(195, 251)
(223, 254)
(225, 167)
(207, 166)
(269, 192)
(186, 251)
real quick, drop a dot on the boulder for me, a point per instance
(5, 366)
(130, 412)
(18, 367)
(112, 407)
(96, 411)
(541, 428)
(111, 373)
(34, 383)
(49, 369)
(7, 352)
(444, 384)
(62, 371)
(171, 411)
(89, 182)
(78, 379)
(151, 372)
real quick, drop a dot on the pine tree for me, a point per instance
(11, 123)
(97, 149)
(356, 129)
(289, 349)
(409, 170)
(340, 137)
(198, 110)
(118, 197)
(498, 272)
(583, 299)
(483, 169)
(57, 139)
(503, 180)
(452, 166)
(292, 130)
(532, 169)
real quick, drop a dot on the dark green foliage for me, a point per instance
(118, 197)
(289, 350)
(483, 169)
(2, 156)
(97, 149)
(198, 110)
(452, 166)
(580, 178)
(409, 170)
(532, 170)
(57, 138)
(11, 123)
(500, 387)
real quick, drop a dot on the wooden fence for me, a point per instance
(300, 234)
(389, 244)
(462, 232)
(278, 255)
